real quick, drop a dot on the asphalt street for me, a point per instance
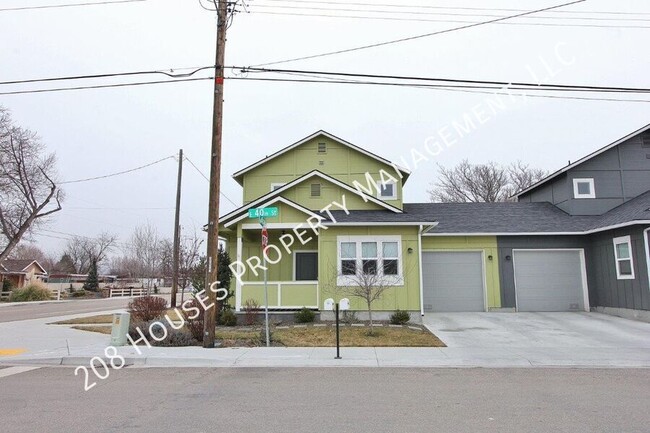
(39, 310)
(327, 400)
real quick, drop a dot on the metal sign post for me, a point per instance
(338, 335)
(336, 307)
(262, 213)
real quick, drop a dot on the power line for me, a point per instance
(533, 86)
(167, 72)
(105, 86)
(429, 20)
(118, 173)
(448, 7)
(435, 87)
(410, 38)
(421, 13)
(69, 5)
(208, 179)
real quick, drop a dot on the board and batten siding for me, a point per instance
(619, 174)
(507, 243)
(605, 290)
(485, 244)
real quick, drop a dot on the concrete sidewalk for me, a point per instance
(61, 345)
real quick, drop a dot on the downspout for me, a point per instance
(420, 268)
(647, 252)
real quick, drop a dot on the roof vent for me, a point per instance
(645, 140)
(322, 147)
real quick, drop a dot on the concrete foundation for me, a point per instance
(626, 313)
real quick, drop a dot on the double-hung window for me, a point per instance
(369, 255)
(623, 257)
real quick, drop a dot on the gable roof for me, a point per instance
(19, 265)
(580, 161)
(238, 175)
(314, 173)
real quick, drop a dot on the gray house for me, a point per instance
(576, 241)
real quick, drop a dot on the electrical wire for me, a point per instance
(532, 86)
(208, 179)
(104, 86)
(410, 38)
(69, 5)
(447, 7)
(118, 173)
(447, 21)
(421, 13)
(435, 87)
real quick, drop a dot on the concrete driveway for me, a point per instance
(551, 339)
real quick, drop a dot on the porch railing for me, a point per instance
(282, 294)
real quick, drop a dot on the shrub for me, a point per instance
(78, 293)
(228, 318)
(147, 308)
(32, 292)
(349, 317)
(195, 325)
(7, 286)
(400, 317)
(250, 312)
(175, 337)
(305, 316)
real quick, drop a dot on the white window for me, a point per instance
(387, 190)
(623, 257)
(584, 188)
(369, 255)
(275, 186)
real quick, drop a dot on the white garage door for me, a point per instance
(549, 280)
(453, 281)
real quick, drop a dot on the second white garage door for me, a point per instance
(549, 280)
(453, 281)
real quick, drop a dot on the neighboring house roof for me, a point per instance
(16, 266)
(237, 176)
(315, 173)
(580, 161)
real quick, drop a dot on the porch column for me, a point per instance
(240, 246)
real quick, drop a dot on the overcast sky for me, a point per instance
(97, 132)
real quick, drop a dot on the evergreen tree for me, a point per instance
(92, 281)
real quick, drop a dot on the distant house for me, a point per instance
(21, 272)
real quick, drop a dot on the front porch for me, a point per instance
(283, 295)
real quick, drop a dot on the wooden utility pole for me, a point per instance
(177, 231)
(210, 316)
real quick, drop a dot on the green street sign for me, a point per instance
(263, 212)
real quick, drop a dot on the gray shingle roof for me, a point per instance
(506, 218)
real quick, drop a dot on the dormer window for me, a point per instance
(584, 188)
(322, 147)
(387, 190)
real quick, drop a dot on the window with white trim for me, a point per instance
(623, 257)
(387, 190)
(584, 188)
(370, 255)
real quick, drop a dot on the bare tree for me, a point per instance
(190, 253)
(24, 251)
(145, 248)
(83, 250)
(365, 283)
(491, 182)
(28, 190)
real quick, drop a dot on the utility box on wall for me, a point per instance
(120, 328)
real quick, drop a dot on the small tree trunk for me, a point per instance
(370, 317)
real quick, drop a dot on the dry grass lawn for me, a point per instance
(105, 318)
(101, 329)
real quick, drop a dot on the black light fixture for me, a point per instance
(410, 250)
(508, 258)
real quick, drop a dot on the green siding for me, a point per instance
(340, 161)
(406, 297)
(487, 244)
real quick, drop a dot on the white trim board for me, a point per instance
(311, 137)
(273, 201)
(313, 173)
(586, 232)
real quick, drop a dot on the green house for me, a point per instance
(342, 216)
